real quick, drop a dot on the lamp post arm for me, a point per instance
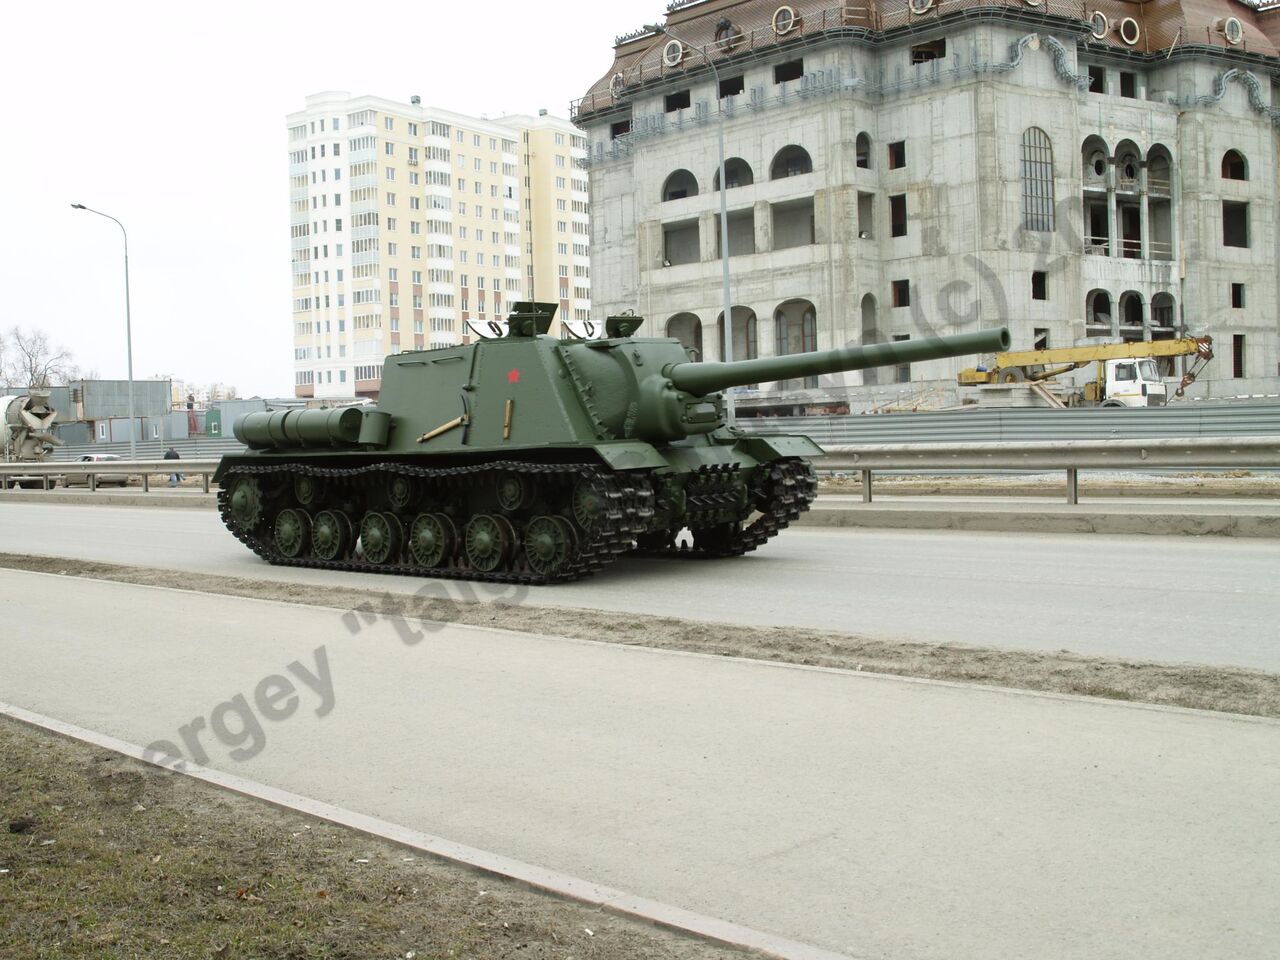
(128, 324)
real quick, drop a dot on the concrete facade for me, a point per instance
(898, 176)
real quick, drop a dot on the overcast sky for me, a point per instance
(171, 117)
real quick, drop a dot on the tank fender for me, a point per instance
(767, 449)
(630, 455)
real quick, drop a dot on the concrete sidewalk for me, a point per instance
(1188, 516)
(867, 815)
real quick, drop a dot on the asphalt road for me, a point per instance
(1206, 600)
(868, 815)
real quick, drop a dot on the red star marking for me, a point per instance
(513, 376)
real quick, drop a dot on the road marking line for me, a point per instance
(548, 881)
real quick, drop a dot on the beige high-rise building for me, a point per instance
(412, 226)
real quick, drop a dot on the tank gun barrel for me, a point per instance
(700, 379)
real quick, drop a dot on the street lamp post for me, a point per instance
(724, 215)
(128, 322)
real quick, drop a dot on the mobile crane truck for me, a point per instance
(1126, 372)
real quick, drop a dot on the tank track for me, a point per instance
(627, 512)
(782, 490)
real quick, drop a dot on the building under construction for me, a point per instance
(1078, 171)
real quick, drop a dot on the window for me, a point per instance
(924, 52)
(1097, 80)
(1128, 84)
(619, 129)
(1126, 372)
(1237, 296)
(1234, 166)
(732, 86)
(391, 223)
(862, 151)
(898, 215)
(791, 70)
(902, 372)
(897, 155)
(1040, 338)
(388, 123)
(1235, 224)
(1037, 180)
(677, 101)
(866, 216)
(1237, 355)
(790, 161)
(902, 293)
(1039, 285)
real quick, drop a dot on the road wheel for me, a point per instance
(330, 535)
(293, 532)
(381, 536)
(548, 545)
(432, 539)
(488, 542)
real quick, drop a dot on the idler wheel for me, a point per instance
(548, 544)
(293, 532)
(330, 534)
(488, 542)
(381, 536)
(432, 539)
(245, 502)
(589, 503)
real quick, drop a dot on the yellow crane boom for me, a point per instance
(1018, 365)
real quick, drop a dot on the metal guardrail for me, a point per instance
(1181, 419)
(1039, 456)
(51, 472)
(1070, 455)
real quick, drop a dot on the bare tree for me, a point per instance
(31, 361)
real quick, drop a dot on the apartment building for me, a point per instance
(1075, 170)
(414, 227)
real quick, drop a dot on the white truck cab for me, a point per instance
(1133, 383)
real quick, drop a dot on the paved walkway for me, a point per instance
(866, 815)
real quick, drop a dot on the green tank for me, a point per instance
(530, 459)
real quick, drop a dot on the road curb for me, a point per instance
(548, 881)
(1031, 520)
(112, 498)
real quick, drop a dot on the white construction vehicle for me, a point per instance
(1127, 375)
(26, 432)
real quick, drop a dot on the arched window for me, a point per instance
(737, 171)
(790, 162)
(1037, 180)
(687, 328)
(862, 150)
(680, 184)
(1234, 166)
